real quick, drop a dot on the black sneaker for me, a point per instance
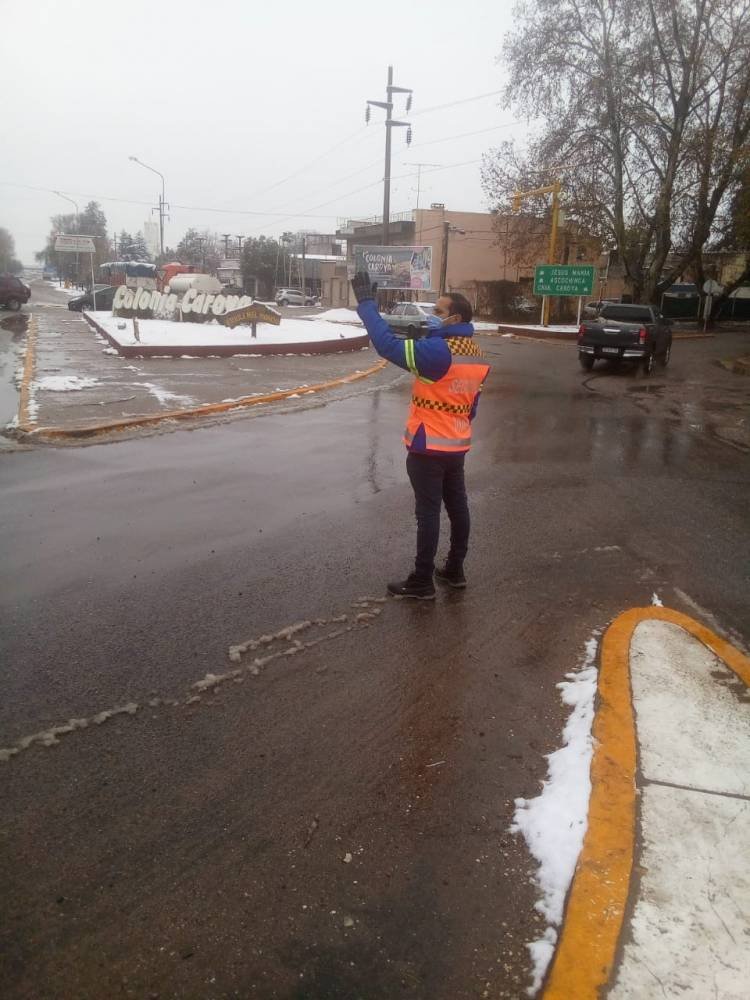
(454, 578)
(423, 590)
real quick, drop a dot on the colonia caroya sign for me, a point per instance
(193, 305)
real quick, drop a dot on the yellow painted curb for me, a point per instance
(585, 955)
(25, 422)
(92, 430)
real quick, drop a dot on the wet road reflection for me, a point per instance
(579, 427)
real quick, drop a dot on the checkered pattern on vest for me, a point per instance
(463, 345)
(434, 404)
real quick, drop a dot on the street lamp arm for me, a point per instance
(152, 169)
(73, 203)
(162, 200)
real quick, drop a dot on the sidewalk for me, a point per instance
(660, 901)
(75, 385)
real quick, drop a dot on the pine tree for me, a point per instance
(125, 245)
(140, 248)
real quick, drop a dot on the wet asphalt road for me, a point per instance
(336, 826)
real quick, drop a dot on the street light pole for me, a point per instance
(162, 201)
(78, 226)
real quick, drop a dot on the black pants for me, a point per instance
(438, 479)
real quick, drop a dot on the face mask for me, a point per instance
(434, 322)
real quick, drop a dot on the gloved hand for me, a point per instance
(362, 287)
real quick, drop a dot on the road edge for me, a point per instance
(25, 422)
(207, 409)
(585, 956)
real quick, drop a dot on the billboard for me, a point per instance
(396, 267)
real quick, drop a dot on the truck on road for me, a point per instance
(626, 332)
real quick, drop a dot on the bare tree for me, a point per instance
(644, 112)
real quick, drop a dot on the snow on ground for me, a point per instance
(537, 328)
(350, 316)
(65, 383)
(165, 397)
(164, 333)
(554, 823)
(339, 316)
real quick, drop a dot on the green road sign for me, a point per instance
(564, 279)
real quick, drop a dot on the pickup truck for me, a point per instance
(625, 332)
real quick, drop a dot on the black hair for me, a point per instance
(460, 306)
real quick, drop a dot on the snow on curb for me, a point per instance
(65, 383)
(554, 823)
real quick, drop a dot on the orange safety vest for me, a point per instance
(443, 407)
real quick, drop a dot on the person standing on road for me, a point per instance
(449, 372)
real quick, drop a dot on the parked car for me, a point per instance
(681, 300)
(104, 296)
(294, 297)
(626, 332)
(592, 309)
(520, 304)
(410, 317)
(13, 292)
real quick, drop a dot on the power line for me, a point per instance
(454, 104)
(465, 135)
(308, 214)
(310, 163)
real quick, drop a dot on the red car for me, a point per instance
(13, 292)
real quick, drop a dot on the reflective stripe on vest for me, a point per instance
(442, 408)
(440, 444)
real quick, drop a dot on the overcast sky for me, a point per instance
(228, 99)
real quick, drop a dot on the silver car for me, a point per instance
(293, 297)
(410, 317)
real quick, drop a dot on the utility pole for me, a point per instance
(554, 190)
(227, 237)
(447, 230)
(303, 268)
(390, 123)
(201, 242)
(239, 244)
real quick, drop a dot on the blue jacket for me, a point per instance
(428, 357)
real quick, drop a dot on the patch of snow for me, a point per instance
(164, 333)
(554, 823)
(538, 328)
(164, 396)
(339, 316)
(65, 383)
(656, 600)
